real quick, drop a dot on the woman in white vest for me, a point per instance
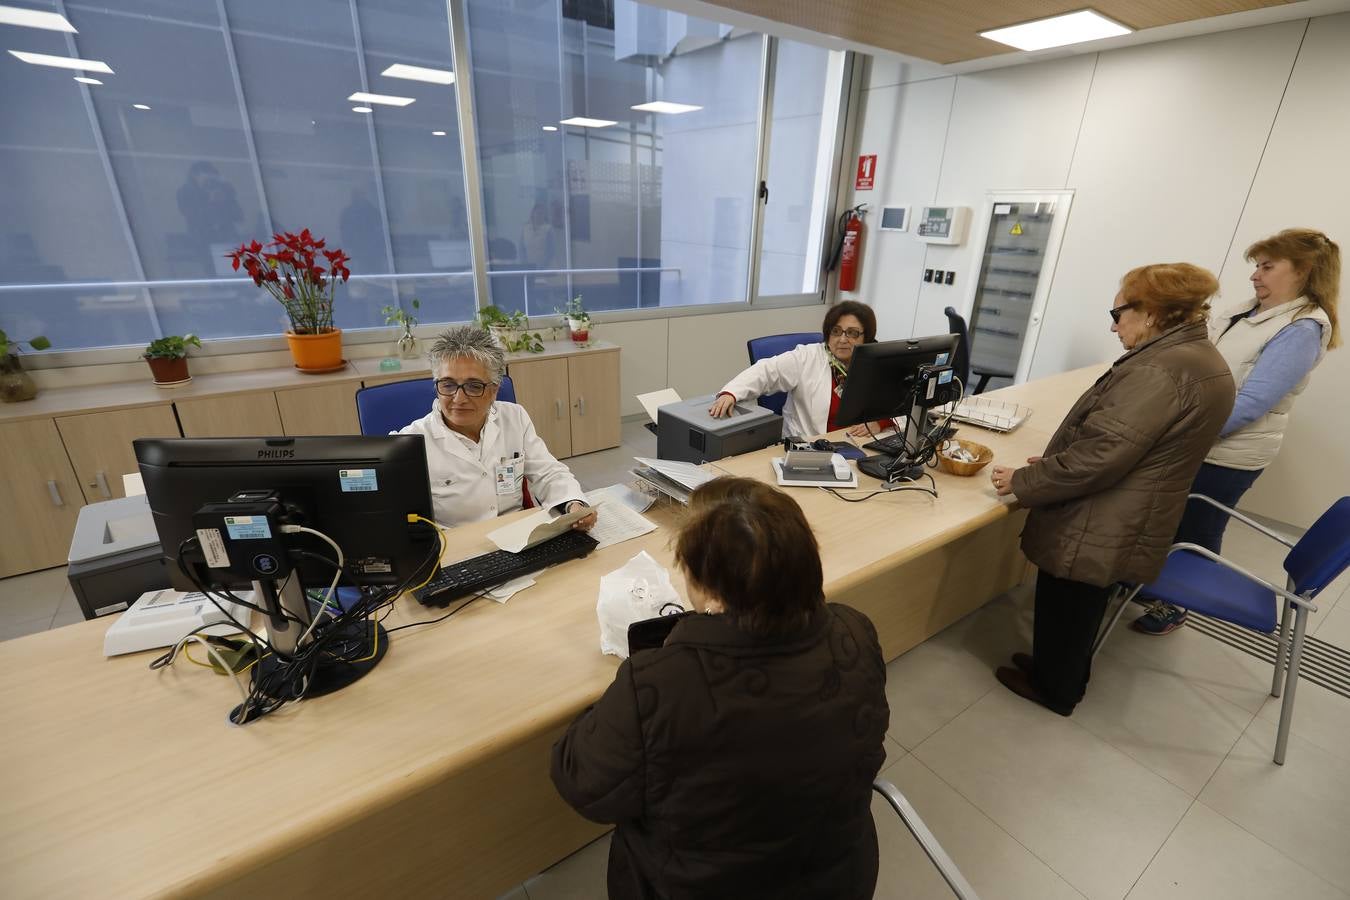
(1272, 343)
(480, 451)
(812, 374)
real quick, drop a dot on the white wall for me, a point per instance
(1162, 144)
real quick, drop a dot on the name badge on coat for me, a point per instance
(507, 476)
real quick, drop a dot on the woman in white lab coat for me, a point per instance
(481, 451)
(812, 374)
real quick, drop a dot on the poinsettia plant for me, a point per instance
(290, 268)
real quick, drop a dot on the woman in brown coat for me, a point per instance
(1106, 497)
(737, 759)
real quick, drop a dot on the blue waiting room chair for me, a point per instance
(1201, 581)
(382, 408)
(772, 345)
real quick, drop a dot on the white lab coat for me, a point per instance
(804, 372)
(465, 480)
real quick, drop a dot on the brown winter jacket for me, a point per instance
(737, 766)
(1108, 495)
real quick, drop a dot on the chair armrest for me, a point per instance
(1275, 535)
(908, 815)
(1229, 564)
(993, 373)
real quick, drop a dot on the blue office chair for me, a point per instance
(956, 324)
(1201, 581)
(772, 345)
(382, 408)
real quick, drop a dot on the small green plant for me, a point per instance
(8, 346)
(171, 347)
(574, 310)
(510, 330)
(396, 315)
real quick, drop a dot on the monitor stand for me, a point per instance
(891, 469)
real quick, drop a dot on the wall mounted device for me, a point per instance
(894, 218)
(943, 224)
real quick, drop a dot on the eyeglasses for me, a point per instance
(1120, 310)
(447, 387)
(852, 334)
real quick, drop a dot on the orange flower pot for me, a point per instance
(316, 352)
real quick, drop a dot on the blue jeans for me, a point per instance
(1202, 523)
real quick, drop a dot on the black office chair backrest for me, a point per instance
(956, 324)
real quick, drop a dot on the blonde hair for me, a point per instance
(1317, 257)
(1172, 293)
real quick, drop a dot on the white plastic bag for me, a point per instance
(639, 590)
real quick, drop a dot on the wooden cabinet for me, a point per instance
(40, 497)
(541, 387)
(237, 415)
(573, 400)
(99, 445)
(323, 409)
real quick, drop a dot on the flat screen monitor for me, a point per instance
(881, 377)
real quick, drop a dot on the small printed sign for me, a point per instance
(357, 480)
(213, 548)
(248, 528)
(867, 173)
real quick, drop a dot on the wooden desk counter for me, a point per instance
(429, 777)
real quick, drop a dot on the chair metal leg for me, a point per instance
(927, 842)
(1282, 650)
(1126, 593)
(1287, 706)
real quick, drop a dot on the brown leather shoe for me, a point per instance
(1024, 662)
(1020, 684)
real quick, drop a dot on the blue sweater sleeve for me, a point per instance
(1285, 360)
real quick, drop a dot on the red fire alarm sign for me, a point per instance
(867, 173)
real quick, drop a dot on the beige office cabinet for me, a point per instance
(323, 409)
(40, 497)
(593, 381)
(236, 415)
(99, 445)
(541, 387)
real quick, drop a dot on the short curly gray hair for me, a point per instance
(472, 342)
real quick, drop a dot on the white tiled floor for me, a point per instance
(1159, 786)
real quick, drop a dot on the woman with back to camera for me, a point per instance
(737, 759)
(812, 374)
(1106, 497)
(1272, 343)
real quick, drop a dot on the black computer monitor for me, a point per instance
(882, 382)
(226, 512)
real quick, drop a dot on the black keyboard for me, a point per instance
(891, 445)
(477, 574)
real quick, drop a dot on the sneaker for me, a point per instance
(1161, 618)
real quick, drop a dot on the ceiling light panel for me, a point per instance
(665, 106)
(62, 62)
(419, 73)
(381, 99)
(583, 122)
(1057, 31)
(32, 18)
(83, 80)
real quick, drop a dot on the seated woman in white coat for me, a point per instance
(480, 451)
(812, 374)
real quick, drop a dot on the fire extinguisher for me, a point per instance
(848, 247)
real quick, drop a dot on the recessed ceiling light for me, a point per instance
(550, 127)
(1057, 31)
(139, 106)
(583, 122)
(31, 18)
(362, 109)
(62, 62)
(419, 73)
(439, 133)
(83, 80)
(383, 99)
(665, 106)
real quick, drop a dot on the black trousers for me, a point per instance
(1068, 615)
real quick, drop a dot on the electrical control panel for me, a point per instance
(943, 224)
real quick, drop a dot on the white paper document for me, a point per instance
(656, 399)
(617, 520)
(503, 592)
(685, 474)
(534, 529)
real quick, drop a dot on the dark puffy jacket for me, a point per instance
(1108, 495)
(737, 766)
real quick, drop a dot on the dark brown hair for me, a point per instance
(1314, 256)
(861, 311)
(749, 545)
(1172, 293)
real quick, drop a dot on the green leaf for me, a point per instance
(39, 343)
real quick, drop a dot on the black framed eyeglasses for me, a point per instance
(448, 387)
(852, 334)
(1118, 311)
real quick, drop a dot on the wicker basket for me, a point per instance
(983, 456)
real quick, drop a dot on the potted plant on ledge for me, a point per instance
(578, 320)
(509, 330)
(290, 269)
(15, 383)
(167, 357)
(397, 315)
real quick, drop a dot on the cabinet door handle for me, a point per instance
(56, 494)
(581, 405)
(101, 478)
(557, 408)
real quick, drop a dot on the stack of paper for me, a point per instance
(675, 479)
(619, 515)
